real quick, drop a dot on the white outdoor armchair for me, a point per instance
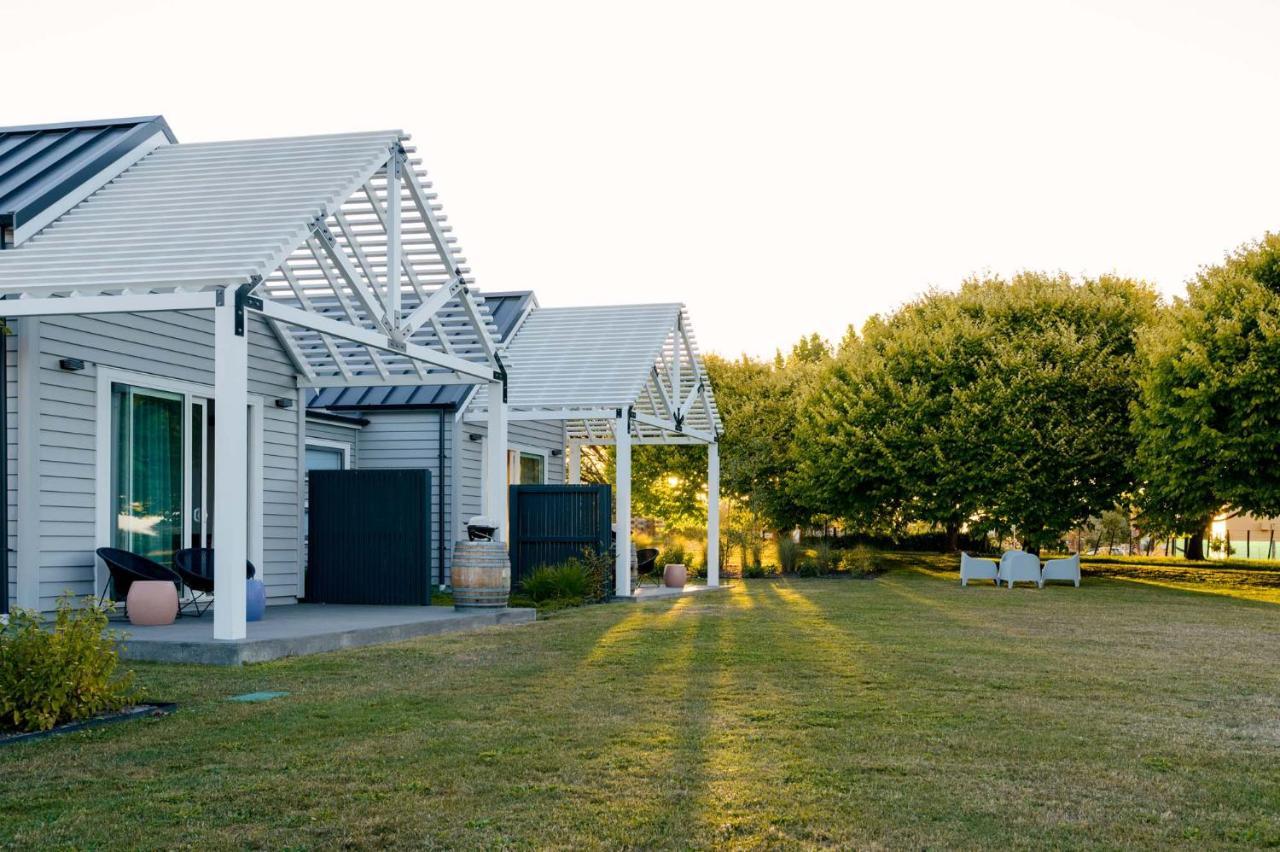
(973, 568)
(1062, 569)
(1019, 566)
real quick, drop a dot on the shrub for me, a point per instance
(673, 555)
(753, 572)
(809, 568)
(61, 674)
(826, 557)
(757, 552)
(585, 578)
(788, 554)
(552, 582)
(860, 561)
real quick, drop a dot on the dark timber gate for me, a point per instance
(369, 537)
(550, 523)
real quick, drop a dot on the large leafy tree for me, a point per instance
(760, 403)
(1002, 405)
(1206, 419)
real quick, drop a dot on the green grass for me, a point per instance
(902, 711)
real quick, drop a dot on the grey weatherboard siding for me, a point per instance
(171, 345)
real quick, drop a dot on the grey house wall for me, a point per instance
(411, 438)
(171, 345)
(339, 433)
(542, 435)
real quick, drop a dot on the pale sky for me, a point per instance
(781, 168)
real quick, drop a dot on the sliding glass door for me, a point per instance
(147, 475)
(162, 464)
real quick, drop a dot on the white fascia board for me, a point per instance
(122, 304)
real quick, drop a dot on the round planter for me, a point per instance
(151, 603)
(255, 600)
(674, 576)
(481, 575)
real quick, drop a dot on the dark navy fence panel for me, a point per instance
(550, 523)
(369, 537)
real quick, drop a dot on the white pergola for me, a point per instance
(337, 242)
(620, 375)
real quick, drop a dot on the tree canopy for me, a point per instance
(1206, 420)
(1003, 405)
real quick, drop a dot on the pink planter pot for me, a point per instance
(152, 602)
(675, 576)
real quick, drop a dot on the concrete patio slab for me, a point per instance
(653, 593)
(297, 630)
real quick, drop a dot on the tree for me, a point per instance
(1003, 405)
(759, 404)
(1206, 421)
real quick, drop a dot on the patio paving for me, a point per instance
(299, 629)
(650, 593)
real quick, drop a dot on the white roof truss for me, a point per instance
(337, 242)
(586, 366)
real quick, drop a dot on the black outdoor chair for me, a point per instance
(195, 568)
(125, 568)
(647, 565)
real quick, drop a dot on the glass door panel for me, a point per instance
(147, 471)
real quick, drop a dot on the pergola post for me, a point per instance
(230, 476)
(575, 463)
(495, 487)
(713, 514)
(622, 463)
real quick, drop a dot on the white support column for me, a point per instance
(622, 500)
(575, 463)
(495, 489)
(713, 514)
(230, 476)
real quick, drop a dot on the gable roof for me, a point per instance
(46, 168)
(196, 216)
(507, 309)
(582, 364)
(303, 216)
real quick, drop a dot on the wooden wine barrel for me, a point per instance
(481, 574)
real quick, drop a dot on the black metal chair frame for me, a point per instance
(194, 565)
(122, 563)
(647, 565)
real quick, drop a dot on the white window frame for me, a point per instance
(103, 527)
(521, 449)
(330, 444)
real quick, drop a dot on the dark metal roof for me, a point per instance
(42, 163)
(506, 308)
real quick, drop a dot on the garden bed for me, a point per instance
(140, 711)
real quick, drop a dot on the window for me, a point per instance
(147, 482)
(325, 458)
(532, 469)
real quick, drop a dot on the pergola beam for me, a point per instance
(368, 337)
(121, 304)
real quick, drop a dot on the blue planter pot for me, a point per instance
(255, 600)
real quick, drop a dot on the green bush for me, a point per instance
(809, 568)
(860, 561)
(65, 673)
(753, 572)
(673, 555)
(826, 556)
(585, 578)
(552, 582)
(788, 554)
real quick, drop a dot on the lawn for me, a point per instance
(902, 711)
